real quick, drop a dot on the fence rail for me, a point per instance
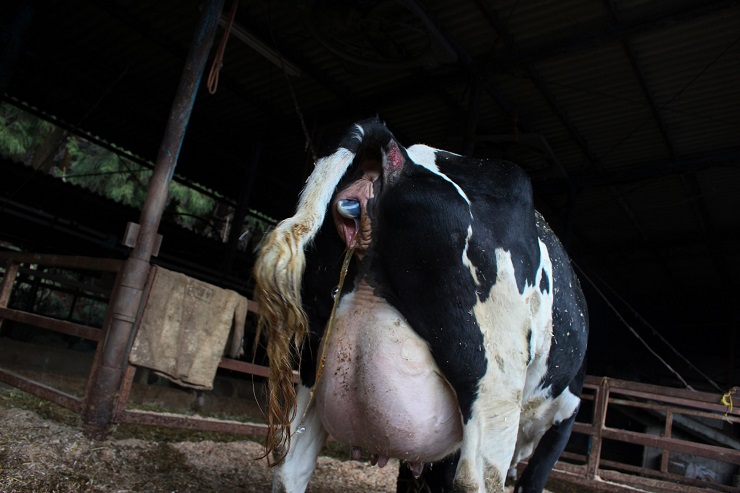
(589, 469)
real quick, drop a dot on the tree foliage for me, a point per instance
(105, 172)
(20, 133)
(82, 162)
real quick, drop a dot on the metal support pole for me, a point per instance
(112, 357)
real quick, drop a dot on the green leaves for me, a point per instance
(20, 133)
(26, 138)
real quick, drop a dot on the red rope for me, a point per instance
(218, 61)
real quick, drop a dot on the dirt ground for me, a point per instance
(42, 449)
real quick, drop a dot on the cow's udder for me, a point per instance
(381, 390)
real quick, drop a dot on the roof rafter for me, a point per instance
(129, 19)
(646, 171)
(510, 46)
(688, 179)
(591, 39)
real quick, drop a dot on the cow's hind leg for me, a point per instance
(307, 438)
(488, 445)
(551, 445)
(545, 456)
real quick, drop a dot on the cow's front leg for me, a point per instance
(307, 438)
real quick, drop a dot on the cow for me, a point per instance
(434, 315)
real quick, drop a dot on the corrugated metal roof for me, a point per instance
(637, 100)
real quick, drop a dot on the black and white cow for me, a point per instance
(460, 331)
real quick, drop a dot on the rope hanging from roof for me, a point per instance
(218, 60)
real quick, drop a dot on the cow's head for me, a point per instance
(367, 159)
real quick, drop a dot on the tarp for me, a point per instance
(185, 326)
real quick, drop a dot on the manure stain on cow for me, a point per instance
(494, 481)
(300, 230)
(464, 482)
(534, 302)
(532, 405)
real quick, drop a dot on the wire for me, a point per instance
(634, 332)
(96, 103)
(658, 335)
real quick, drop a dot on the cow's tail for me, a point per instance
(279, 272)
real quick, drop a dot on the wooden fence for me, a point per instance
(701, 413)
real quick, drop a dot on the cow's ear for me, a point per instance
(394, 157)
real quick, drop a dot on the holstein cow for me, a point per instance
(459, 332)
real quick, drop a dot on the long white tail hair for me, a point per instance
(279, 269)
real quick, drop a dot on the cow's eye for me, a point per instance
(349, 208)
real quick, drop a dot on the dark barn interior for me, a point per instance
(625, 114)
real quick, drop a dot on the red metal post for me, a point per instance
(107, 374)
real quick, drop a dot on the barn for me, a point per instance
(625, 115)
